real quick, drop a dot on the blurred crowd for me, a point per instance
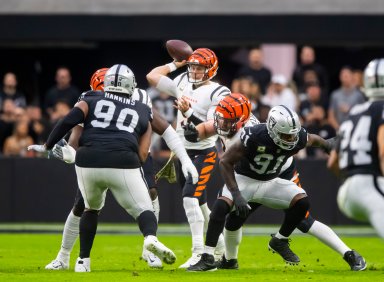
(307, 92)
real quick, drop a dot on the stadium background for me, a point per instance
(86, 35)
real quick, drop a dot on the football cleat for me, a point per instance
(195, 258)
(355, 260)
(83, 265)
(152, 260)
(57, 265)
(228, 263)
(206, 263)
(152, 244)
(281, 246)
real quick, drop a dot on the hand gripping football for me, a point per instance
(179, 50)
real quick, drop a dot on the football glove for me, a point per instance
(190, 132)
(189, 169)
(241, 205)
(37, 148)
(62, 151)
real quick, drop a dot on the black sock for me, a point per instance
(293, 216)
(147, 223)
(216, 222)
(88, 227)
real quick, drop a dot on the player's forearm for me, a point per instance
(228, 174)
(175, 144)
(144, 144)
(75, 137)
(75, 116)
(154, 75)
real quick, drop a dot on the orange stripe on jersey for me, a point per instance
(307, 214)
(200, 188)
(204, 179)
(211, 158)
(207, 169)
(205, 174)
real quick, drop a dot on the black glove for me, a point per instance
(190, 132)
(242, 207)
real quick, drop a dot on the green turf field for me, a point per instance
(117, 258)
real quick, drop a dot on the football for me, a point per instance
(179, 50)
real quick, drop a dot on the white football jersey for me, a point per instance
(203, 100)
(142, 96)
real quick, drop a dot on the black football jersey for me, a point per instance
(358, 148)
(263, 159)
(112, 130)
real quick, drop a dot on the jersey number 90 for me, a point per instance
(104, 118)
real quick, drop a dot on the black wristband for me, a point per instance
(195, 120)
(75, 116)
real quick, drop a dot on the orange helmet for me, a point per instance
(97, 80)
(231, 114)
(206, 58)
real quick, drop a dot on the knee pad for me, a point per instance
(302, 205)
(78, 207)
(192, 210)
(234, 222)
(219, 211)
(306, 224)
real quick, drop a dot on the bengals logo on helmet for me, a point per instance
(97, 80)
(231, 114)
(207, 58)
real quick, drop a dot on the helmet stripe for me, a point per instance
(290, 113)
(117, 74)
(377, 73)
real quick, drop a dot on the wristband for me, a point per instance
(188, 113)
(172, 67)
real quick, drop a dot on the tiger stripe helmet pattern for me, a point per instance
(97, 80)
(207, 58)
(231, 114)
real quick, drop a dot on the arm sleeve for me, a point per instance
(175, 144)
(74, 117)
(168, 86)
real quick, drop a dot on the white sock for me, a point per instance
(279, 236)
(70, 234)
(206, 212)
(328, 237)
(156, 208)
(196, 223)
(232, 242)
(209, 250)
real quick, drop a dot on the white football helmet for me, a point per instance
(283, 127)
(374, 79)
(120, 79)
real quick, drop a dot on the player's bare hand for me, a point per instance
(182, 104)
(180, 64)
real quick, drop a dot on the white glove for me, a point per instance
(64, 153)
(37, 148)
(189, 168)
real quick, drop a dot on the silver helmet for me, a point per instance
(374, 79)
(283, 127)
(120, 79)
